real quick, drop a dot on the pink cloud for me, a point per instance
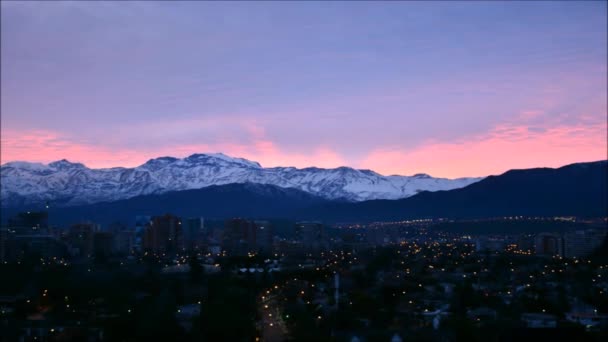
(47, 146)
(516, 144)
(506, 147)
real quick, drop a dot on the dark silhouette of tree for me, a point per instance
(196, 270)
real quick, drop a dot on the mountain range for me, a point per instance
(64, 183)
(579, 189)
(573, 190)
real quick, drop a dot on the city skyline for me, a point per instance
(452, 90)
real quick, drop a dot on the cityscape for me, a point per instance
(304, 171)
(189, 279)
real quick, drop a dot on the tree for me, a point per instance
(196, 270)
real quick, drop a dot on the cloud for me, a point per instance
(507, 146)
(46, 146)
(534, 137)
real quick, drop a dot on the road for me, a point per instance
(274, 328)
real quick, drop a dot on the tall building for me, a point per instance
(548, 244)
(163, 234)
(264, 235)
(43, 245)
(103, 243)
(124, 241)
(3, 244)
(193, 232)
(80, 238)
(116, 227)
(34, 221)
(141, 222)
(239, 236)
(123, 238)
(311, 235)
(29, 233)
(581, 243)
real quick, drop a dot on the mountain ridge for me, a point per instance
(573, 190)
(67, 183)
(579, 189)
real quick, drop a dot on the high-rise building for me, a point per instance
(3, 244)
(581, 243)
(123, 238)
(239, 236)
(141, 222)
(29, 233)
(311, 235)
(36, 222)
(264, 235)
(163, 234)
(124, 241)
(548, 244)
(193, 229)
(80, 238)
(43, 245)
(116, 227)
(103, 243)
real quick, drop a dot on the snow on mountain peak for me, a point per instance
(25, 165)
(157, 163)
(63, 179)
(421, 175)
(206, 157)
(64, 164)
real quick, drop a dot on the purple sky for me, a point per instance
(449, 89)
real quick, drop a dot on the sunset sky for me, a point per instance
(448, 89)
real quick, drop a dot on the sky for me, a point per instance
(450, 89)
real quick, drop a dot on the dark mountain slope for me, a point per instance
(246, 200)
(577, 189)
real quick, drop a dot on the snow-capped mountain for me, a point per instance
(66, 183)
